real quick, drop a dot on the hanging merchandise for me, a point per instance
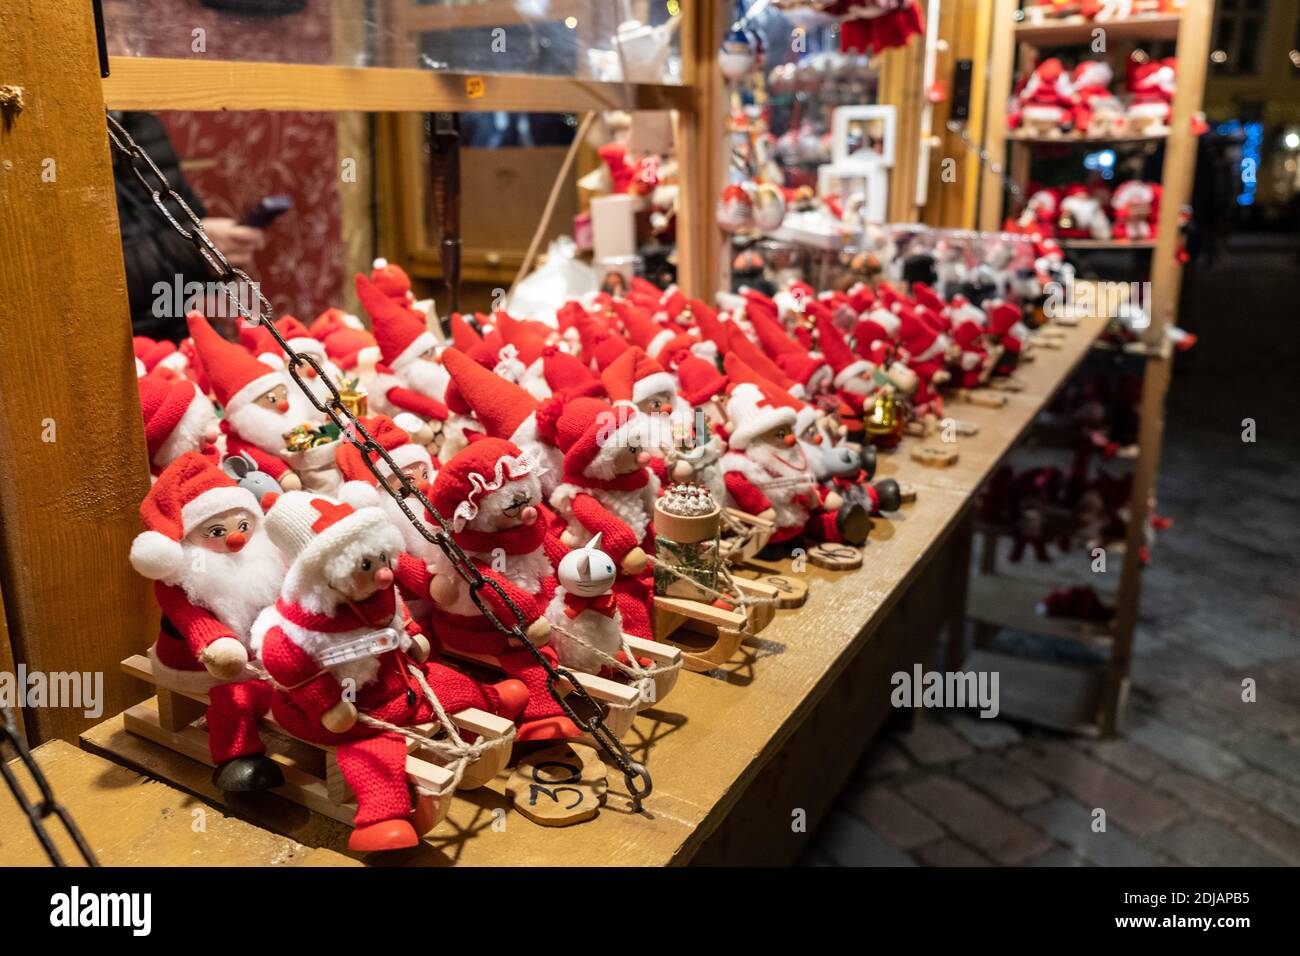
(876, 25)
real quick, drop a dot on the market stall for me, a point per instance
(613, 483)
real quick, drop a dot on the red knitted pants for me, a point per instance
(233, 712)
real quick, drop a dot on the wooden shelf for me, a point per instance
(156, 83)
(1051, 694)
(1108, 244)
(1066, 31)
(1077, 139)
(1008, 601)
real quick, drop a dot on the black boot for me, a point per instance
(853, 522)
(868, 455)
(891, 496)
(245, 774)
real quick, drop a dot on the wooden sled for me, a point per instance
(619, 702)
(752, 539)
(691, 622)
(311, 773)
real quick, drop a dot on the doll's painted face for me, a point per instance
(778, 447)
(660, 403)
(370, 574)
(226, 533)
(417, 471)
(630, 457)
(276, 399)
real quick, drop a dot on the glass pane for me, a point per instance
(573, 38)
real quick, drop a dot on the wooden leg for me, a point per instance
(176, 711)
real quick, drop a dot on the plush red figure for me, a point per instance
(260, 403)
(607, 489)
(339, 644)
(491, 495)
(214, 571)
(411, 378)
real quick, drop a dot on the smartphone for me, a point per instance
(266, 212)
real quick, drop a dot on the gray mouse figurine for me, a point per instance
(246, 474)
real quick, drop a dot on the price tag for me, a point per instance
(370, 644)
(474, 87)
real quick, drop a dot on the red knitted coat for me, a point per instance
(372, 761)
(233, 708)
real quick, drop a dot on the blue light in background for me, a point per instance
(1102, 161)
(1252, 135)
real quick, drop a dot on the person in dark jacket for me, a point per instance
(152, 250)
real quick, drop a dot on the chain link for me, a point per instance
(560, 682)
(37, 813)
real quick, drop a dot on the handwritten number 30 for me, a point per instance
(554, 787)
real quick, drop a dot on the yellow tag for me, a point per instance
(474, 87)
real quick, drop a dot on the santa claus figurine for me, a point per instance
(178, 418)
(1097, 111)
(1151, 95)
(1135, 203)
(263, 345)
(491, 496)
(260, 404)
(340, 647)
(767, 474)
(360, 487)
(410, 378)
(607, 489)
(214, 571)
(1043, 106)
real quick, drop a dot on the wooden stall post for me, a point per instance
(72, 447)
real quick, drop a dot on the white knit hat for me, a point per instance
(324, 537)
(753, 411)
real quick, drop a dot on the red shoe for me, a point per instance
(559, 727)
(514, 697)
(621, 657)
(384, 835)
(425, 817)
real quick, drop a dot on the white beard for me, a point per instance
(780, 482)
(189, 431)
(858, 385)
(265, 428)
(234, 587)
(427, 378)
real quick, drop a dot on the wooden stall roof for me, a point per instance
(716, 731)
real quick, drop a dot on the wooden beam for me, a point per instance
(1001, 70)
(154, 83)
(72, 447)
(487, 13)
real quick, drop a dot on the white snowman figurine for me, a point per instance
(583, 614)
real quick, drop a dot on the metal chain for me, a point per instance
(48, 806)
(635, 774)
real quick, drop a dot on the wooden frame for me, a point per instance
(1191, 28)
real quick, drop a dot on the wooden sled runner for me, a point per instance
(619, 703)
(311, 773)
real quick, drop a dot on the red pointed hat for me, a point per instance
(463, 335)
(700, 380)
(393, 439)
(235, 376)
(401, 336)
(915, 335)
(579, 426)
(862, 298)
(752, 356)
(474, 472)
(641, 329)
(188, 492)
(164, 403)
(634, 377)
(927, 297)
(390, 279)
(567, 376)
(500, 406)
(842, 360)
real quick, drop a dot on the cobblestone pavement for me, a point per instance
(1198, 776)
